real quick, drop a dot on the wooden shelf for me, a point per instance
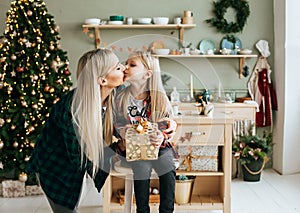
(97, 28)
(241, 58)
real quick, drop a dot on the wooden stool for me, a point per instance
(128, 195)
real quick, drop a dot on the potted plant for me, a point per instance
(183, 188)
(253, 152)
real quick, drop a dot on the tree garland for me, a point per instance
(220, 8)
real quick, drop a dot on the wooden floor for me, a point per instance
(273, 194)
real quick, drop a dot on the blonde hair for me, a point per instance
(160, 104)
(86, 105)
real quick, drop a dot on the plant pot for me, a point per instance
(183, 191)
(252, 171)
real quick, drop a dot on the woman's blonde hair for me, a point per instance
(86, 105)
(160, 104)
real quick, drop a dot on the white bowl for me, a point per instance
(144, 20)
(93, 21)
(161, 20)
(245, 52)
(162, 51)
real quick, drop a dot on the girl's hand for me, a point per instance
(156, 138)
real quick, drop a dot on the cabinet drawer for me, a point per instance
(193, 134)
(237, 113)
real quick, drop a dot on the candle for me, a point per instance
(192, 92)
(219, 90)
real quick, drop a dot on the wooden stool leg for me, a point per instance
(128, 200)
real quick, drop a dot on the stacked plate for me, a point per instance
(116, 20)
(206, 46)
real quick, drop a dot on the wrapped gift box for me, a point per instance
(138, 145)
(13, 188)
(33, 190)
(198, 158)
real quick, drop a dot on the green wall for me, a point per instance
(70, 15)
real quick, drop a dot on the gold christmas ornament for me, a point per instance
(13, 57)
(8, 120)
(1, 144)
(13, 127)
(51, 47)
(23, 177)
(31, 144)
(2, 122)
(9, 89)
(27, 158)
(52, 90)
(33, 92)
(34, 106)
(29, 13)
(15, 144)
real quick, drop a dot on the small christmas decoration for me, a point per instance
(23, 177)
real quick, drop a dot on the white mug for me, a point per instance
(177, 20)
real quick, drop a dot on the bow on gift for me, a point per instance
(142, 126)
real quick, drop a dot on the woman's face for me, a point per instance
(135, 70)
(115, 77)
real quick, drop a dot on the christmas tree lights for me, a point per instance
(34, 74)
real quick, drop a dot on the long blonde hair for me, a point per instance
(86, 105)
(160, 104)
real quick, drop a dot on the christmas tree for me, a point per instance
(34, 74)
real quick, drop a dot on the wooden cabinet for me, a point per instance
(211, 190)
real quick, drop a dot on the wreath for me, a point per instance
(242, 13)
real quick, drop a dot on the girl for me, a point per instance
(145, 97)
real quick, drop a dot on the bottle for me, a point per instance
(175, 95)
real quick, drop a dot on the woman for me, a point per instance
(145, 98)
(74, 140)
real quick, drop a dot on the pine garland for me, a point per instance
(242, 13)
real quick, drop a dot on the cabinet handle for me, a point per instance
(198, 133)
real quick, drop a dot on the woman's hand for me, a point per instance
(171, 128)
(156, 138)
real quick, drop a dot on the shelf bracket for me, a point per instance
(181, 33)
(97, 36)
(242, 64)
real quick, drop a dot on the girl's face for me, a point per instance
(115, 76)
(135, 70)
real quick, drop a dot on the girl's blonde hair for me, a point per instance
(160, 104)
(86, 108)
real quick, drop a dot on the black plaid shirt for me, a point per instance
(56, 158)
